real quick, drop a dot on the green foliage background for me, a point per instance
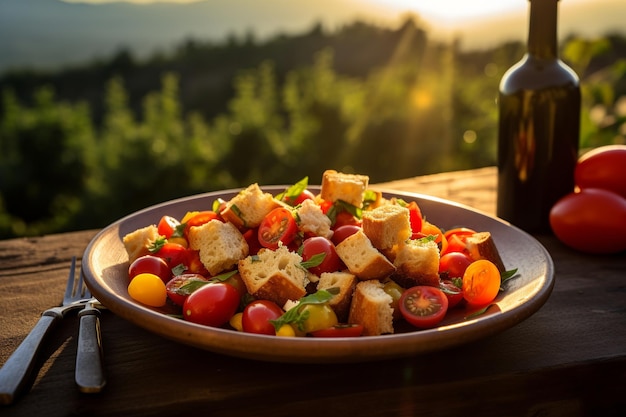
(83, 147)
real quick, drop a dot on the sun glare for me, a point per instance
(453, 11)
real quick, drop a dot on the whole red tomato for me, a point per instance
(151, 264)
(257, 315)
(212, 304)
(603, 167)
(320, 246)
(592, 220)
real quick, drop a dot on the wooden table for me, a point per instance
(568, 359)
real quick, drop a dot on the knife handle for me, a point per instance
(89, 373)
(17, 371)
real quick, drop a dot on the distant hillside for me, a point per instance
(51, 33)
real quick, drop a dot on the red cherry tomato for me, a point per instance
(173, 254)
(199, 219)
(257, 315)
(423, 306)
(212, 304)
(150, 264)
(415, 217)
(454, 264)
(344, 218)
(174, 285)
(168, 226)
(592, 221)
(456, 239)
(603, 167)
(340, 330)
(454, 293)
(278, 226)
(295, 201)
(343, 232)
(252, 238)
(193, 263)
(320, 245)
(481, 283)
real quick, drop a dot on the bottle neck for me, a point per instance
(542, 33)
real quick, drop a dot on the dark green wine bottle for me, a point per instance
(539, 124)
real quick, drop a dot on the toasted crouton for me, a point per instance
(346, 187)
(137, 243)
(371, 307)
(274, 275)
(345, 282)
(417, 263)
(249, 207)
(311, 219)
(387, 225)
(220, 245)
(481, 246)
(362, 258)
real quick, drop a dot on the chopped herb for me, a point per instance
(179, 230)
(190, 286)
(223, 277)
(179, 269)
(314, 261)
(297, 317)
(157, 244)
(290, 195)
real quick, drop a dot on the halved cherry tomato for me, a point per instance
(340, 330)
(456, 239)
(174, 285)
(278, 226)
(423, 306)
(481, 283)
(168, 226)
(212, 304)
(151, 264)
(257, 315)
(321, 246)
(454, 293)
(453, 264)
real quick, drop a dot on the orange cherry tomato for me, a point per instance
(481, 283)
(429, 229)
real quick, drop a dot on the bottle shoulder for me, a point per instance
(534, 74)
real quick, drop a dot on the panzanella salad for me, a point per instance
(345, 262)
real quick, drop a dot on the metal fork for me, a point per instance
(19, 368)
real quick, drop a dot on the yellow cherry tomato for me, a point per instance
(148, 289)
(236, 323)
(321, 316)
(286, 330)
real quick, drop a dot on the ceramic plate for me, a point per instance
(105, 266)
